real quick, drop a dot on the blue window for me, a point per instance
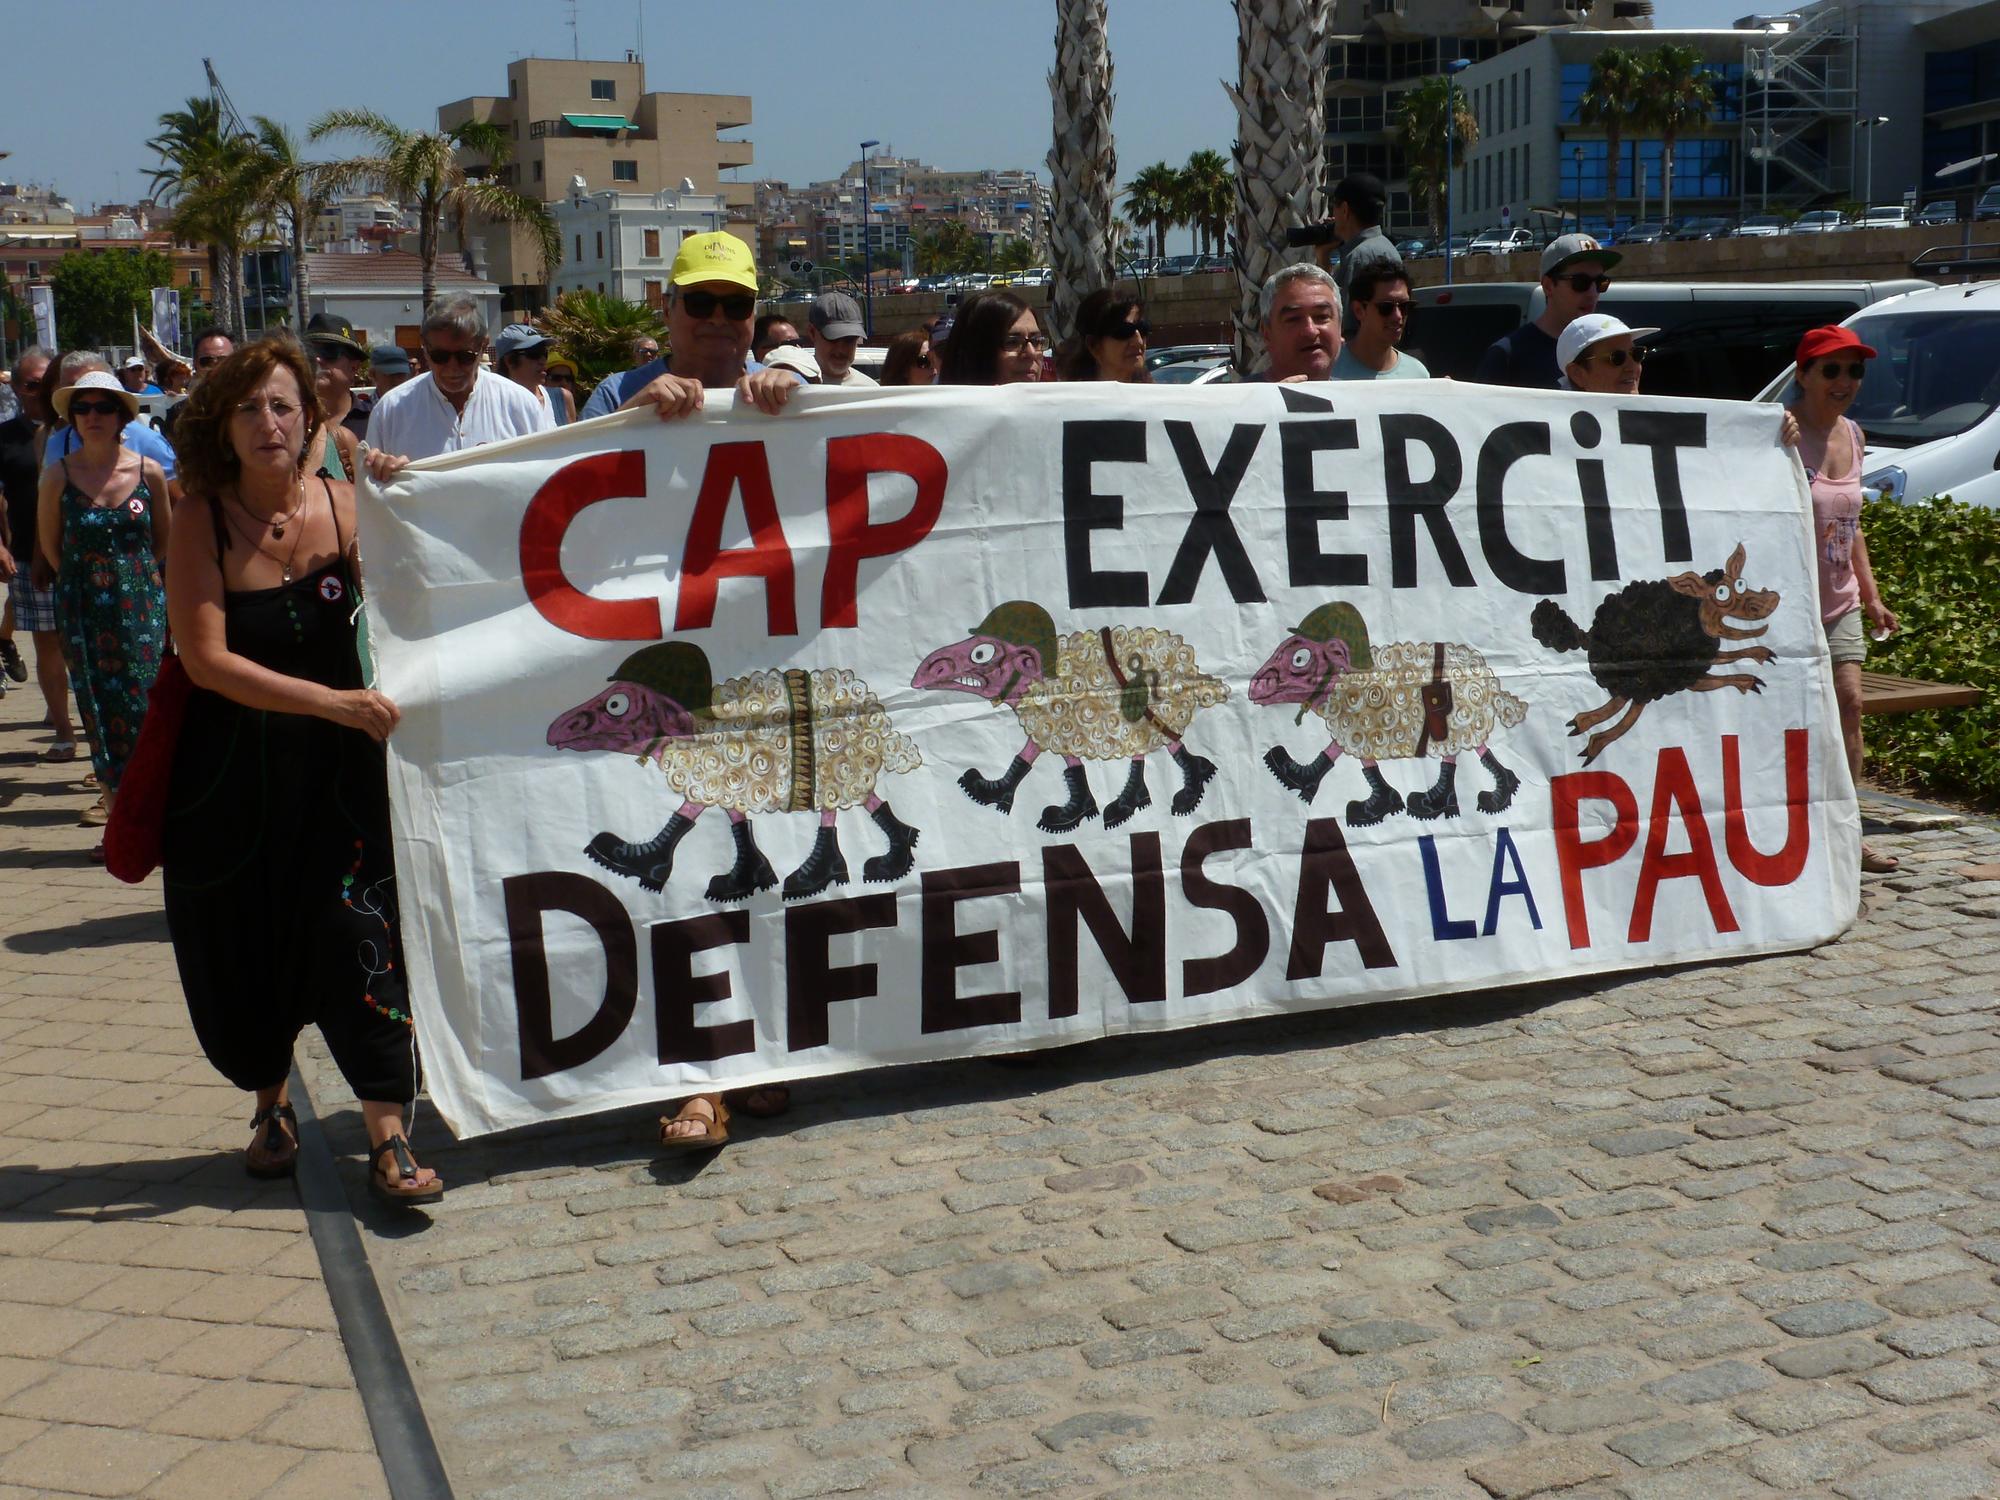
(1725, 81)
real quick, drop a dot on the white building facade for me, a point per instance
(622, 244)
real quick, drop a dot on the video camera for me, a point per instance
(1312, 234)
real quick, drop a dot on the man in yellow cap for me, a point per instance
(711, 305)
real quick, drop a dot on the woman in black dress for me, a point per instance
(280, 884)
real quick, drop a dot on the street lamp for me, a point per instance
(867, 246)
(1576, 155)
(1451, 71)
(1868, 192)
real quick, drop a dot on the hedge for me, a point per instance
(1937, 563)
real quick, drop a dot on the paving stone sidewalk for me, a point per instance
(163, 1326)
(1729, 1230)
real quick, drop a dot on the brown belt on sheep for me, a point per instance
(798, 700)
(1437, 702)
(1118, 675)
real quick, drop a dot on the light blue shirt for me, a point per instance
(1406, 367)
(613, 391)
(139, 437)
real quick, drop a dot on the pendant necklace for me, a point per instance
(284, 563)
(275, 522)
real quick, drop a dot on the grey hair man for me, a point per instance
(457, 404)
(1299, 311)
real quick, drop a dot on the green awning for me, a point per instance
(598, 122)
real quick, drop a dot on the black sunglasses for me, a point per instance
(1124, 328)
(32, 385)
(1832, 368)
(1614, 357)
(1388, 307)
(451, 356)
(736, 306)
(1583, 281)
(203, 361)
(95, 408)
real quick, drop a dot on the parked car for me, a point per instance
(1174, 354)
(1884, 216)
(1930, 405)
(1761, 227)
(1644, 234)
(1820, 221)
(1178, 265)
(1701, 229)
(1939, 211)
(1988, 206)
(1415, 249)
(1205, 371)
(1501, 242)
(1718, 339)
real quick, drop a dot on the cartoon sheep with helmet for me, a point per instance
(1402, 701)
(1117, 693)
(770, 742)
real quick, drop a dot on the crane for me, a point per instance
(231, 122)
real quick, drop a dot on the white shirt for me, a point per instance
(415, 421)
(803, 362)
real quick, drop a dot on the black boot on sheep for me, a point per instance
(825, 866)
(1382, 801)
(902, 839)
(1505, 784)
(1197, 771)
(1441, 801)
(750, 874)
(1131, 798)
(650, 863)
(998, 795)
(1071, 814)
(1304, 779)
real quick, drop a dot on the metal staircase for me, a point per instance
(1798, 105)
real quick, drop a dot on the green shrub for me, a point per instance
(1937, 563)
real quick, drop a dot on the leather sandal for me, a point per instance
(766, 1101)
(278, 1126)
(715, 1125)
(1874, 862)
(406, 1189)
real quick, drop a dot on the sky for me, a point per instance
(955, 83)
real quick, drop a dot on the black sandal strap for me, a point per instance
(271, 1112)
(406, 1164)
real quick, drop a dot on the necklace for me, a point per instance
(284, 563)
(277, 523)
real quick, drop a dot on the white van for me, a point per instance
(1930, 405)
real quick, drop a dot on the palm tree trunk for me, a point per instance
(427, 249)
(1611, 144)
(1666, 176)
(1280, 144)
(1083, 162)
(299, 278)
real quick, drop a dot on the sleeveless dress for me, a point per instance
(1836, 518)
(112, 615)
(280, 883)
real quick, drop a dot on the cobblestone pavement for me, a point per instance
(163, 1327)
(1730, 1230)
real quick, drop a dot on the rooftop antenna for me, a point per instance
(575, 50)
(640, 7)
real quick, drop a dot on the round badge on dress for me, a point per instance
(330, 590)
(135, 505)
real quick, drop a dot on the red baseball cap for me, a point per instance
(1819, 342)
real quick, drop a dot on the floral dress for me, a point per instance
(112, 614)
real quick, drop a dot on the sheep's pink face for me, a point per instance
(624, 716)
(1299, 671)
(996, 670)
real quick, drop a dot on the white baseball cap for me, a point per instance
(133, 362)
(1591, 328)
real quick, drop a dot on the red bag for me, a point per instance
(133, 837)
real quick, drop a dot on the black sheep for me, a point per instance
(1659, 637)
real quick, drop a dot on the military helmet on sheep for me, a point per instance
(674, 669)
(1021, 622)
(1339, 622)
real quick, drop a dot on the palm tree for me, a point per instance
(597, 331)
(1679, 98)
(423, 167)
(204, 175)
(1611, 102)
(1280, 143)
(1016, 254)
(949, 248)
(1208, 197)
(290, 194)
(1152, 197)
(1083, 161)
(1435, 108)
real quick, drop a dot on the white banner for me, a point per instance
(167, 316)
(918, 724)
(43, 300)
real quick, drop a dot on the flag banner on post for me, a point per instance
(43, 300)
(167, 316)
(910, 725)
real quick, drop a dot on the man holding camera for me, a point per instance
(1573, 277)
(1355, 229)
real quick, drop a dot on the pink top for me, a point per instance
(1836, 521)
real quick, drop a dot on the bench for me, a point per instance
(1883, 694)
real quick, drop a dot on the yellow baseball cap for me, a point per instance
(714, 257)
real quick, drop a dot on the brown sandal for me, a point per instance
(273, 1151)
(715, 1125)
(766, 1101)
(406, 1189)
